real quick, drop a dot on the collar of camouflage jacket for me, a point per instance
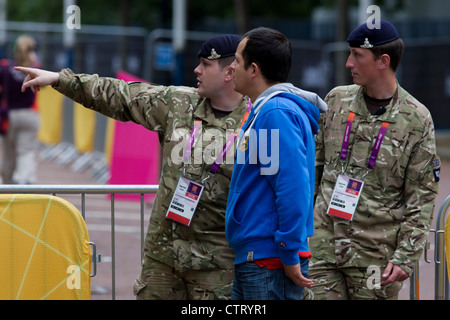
(231, 122)
(358, 105)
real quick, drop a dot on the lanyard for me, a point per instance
(375, 149)
(191, 140)
(219, 160)
(230, 142)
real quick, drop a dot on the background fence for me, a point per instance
(424, 71)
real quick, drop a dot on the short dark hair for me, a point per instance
(393, 49)
(271, 51)
(225, 62)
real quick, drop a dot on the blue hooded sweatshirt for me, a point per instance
(270, 204)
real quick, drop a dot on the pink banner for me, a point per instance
(136, 153)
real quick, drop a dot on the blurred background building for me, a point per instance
(158, 40)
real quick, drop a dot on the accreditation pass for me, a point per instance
(184, 201)
(345, 197)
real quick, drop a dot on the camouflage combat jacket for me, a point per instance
(170, 112)
(393, 216)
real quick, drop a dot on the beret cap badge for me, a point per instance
(214, 55)
(367, 44)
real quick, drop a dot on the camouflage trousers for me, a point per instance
(159, 281)
(348, 283)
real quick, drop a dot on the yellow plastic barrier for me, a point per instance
(110, 127)
(50, 105)
(84, 128)
(44, 249)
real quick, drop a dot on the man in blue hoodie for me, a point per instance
(269, 213)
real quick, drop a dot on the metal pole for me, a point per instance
(441, 277)
(142, 224)
(83, 205)
(179, 38)
(113, 250)
(3, 33)
(362, 10)
(74, 189)
(68, 34)
(414, 284)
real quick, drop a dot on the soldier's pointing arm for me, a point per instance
(139, 102)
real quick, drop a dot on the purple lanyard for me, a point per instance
(230, 141)
(191, 140)
(345, 141)
(376, 147)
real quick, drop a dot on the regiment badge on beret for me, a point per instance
(363, 37)
(367, 44)
(214, 55)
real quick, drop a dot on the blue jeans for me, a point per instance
(252, 282)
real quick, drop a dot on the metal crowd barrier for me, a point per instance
(83, 190)
(442, 289)
(441, 282)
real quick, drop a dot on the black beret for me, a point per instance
(219, 47)
(363, 37)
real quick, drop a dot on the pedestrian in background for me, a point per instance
(19, 164)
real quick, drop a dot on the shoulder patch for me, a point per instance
(436, 169)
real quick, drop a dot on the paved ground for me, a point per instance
(127, 226)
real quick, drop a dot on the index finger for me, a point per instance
(24, 69)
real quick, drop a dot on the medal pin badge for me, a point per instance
(244, 144)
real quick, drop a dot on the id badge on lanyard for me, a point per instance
(184, 201)
(347, 190)
(188, 192)
(345, 198)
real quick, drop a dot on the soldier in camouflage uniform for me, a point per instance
(370, 255)
(180, 262)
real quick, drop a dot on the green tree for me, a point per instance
(155, 13)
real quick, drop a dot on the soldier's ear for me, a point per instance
(384, 61)
(228, 70)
